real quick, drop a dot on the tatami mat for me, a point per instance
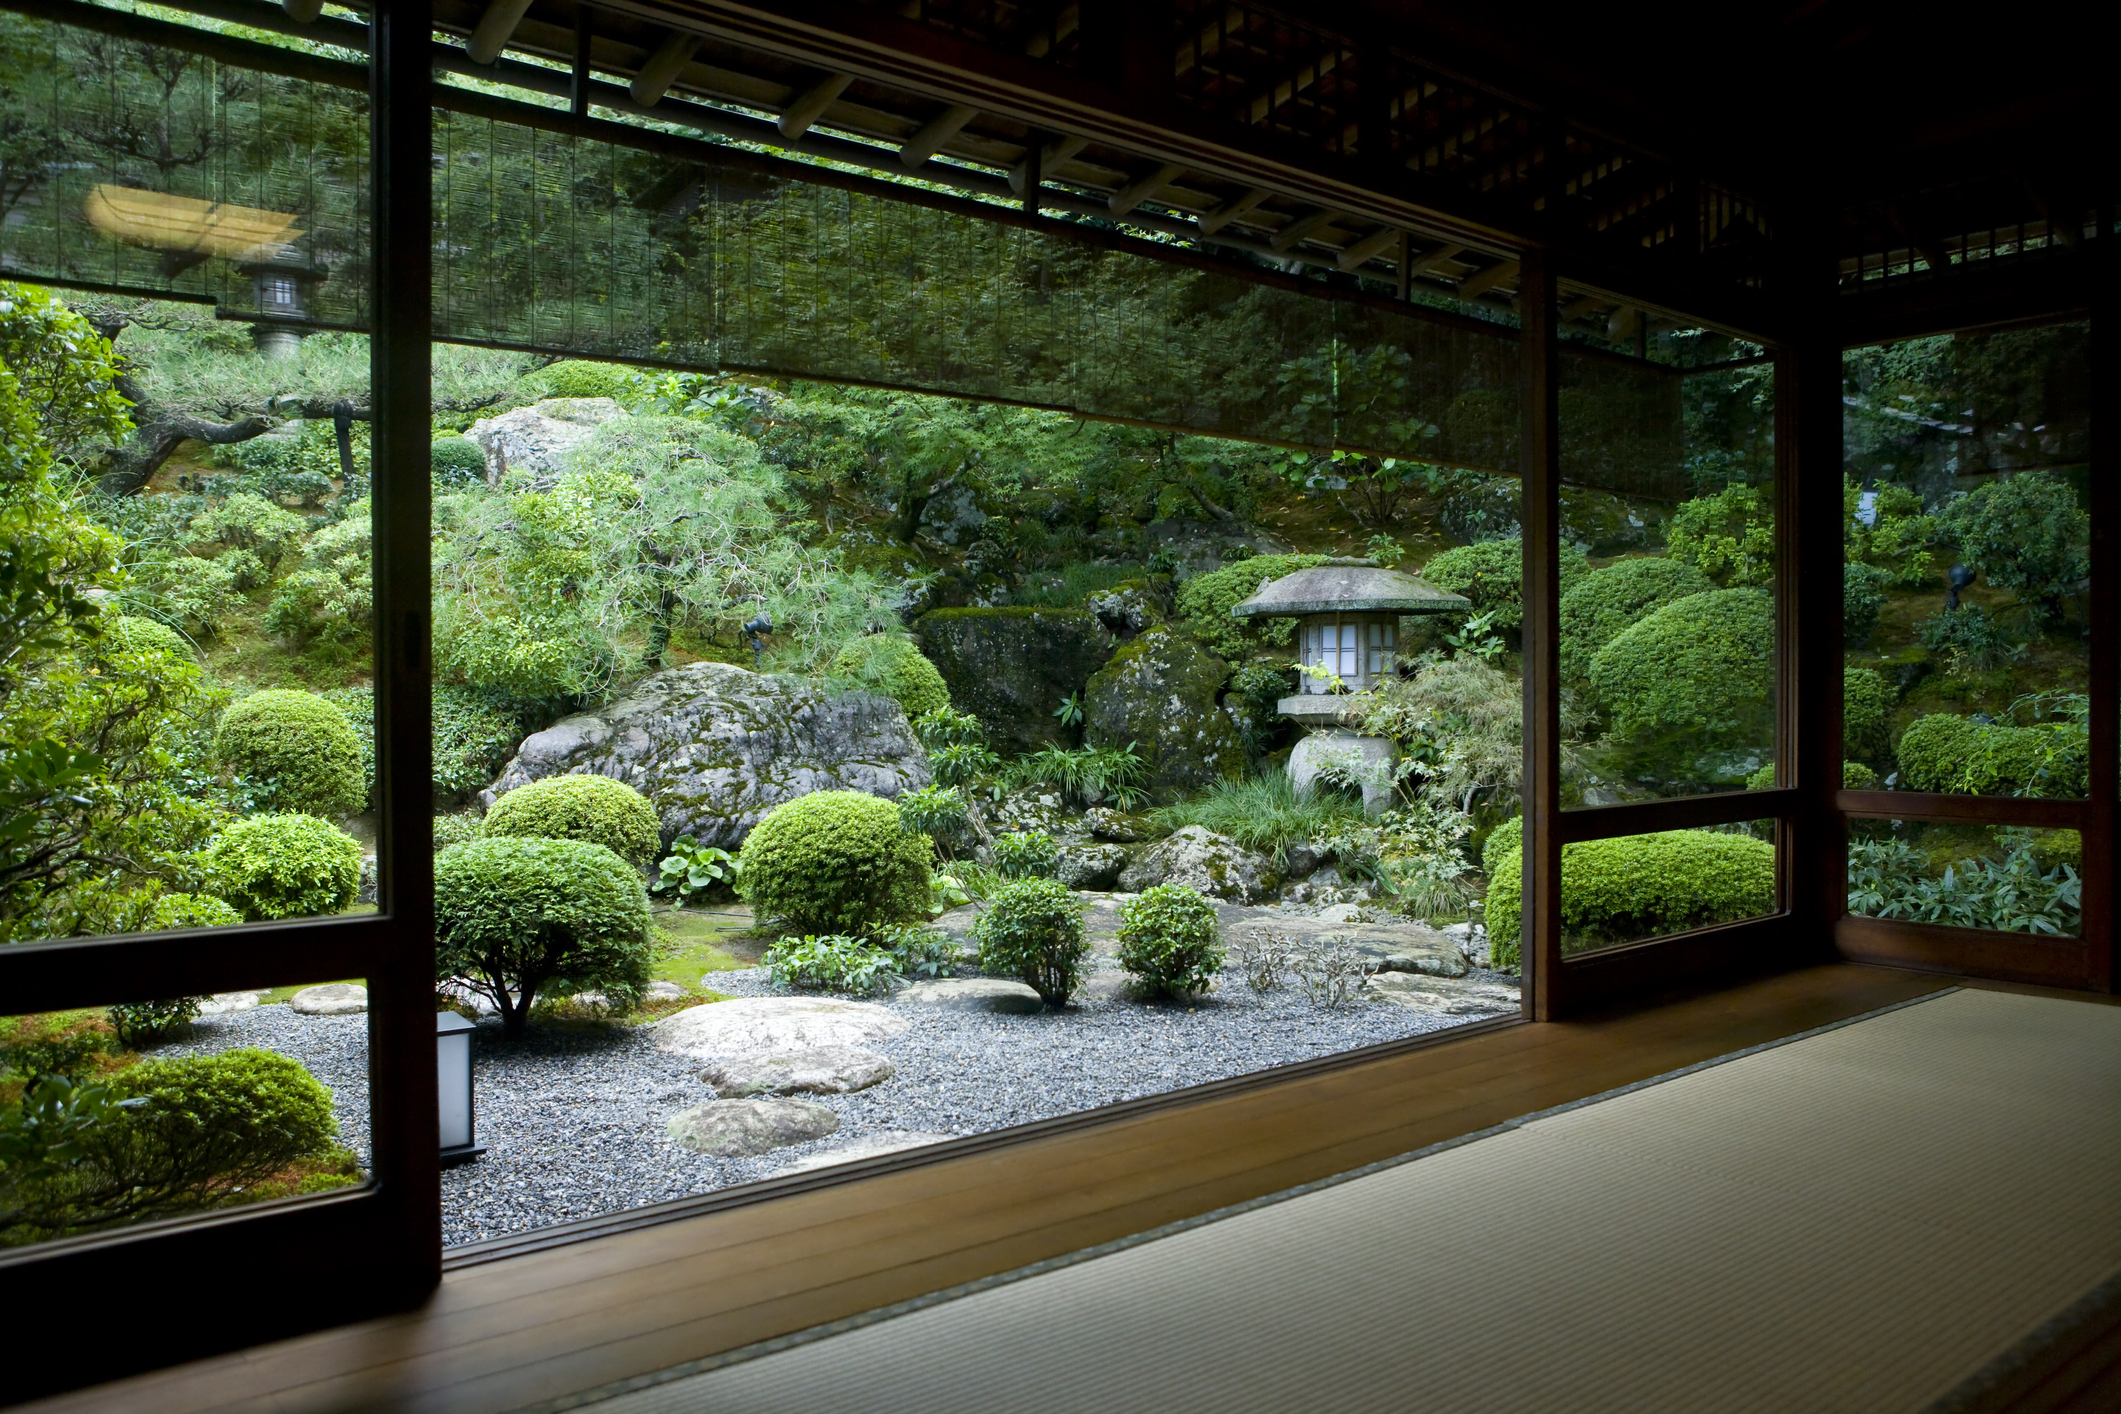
(1860, 1219)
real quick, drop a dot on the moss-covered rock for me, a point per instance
(1012, 667)
(1158, 692)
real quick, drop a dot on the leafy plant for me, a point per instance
(143, 1023)
(962, 763)
(2026, 533)
(945, 892)
(1730, 536)
(1890, 879)
(1477, 637)
(300, 751)
(836, 860)
(1086, 775)
(692, 870)
(1862, 597)
(283, 866)
(1967, 639)
(1436, 885)
(917, 951)
(1070, 712)
(943, 726)
(1026, 854)
(1170, 940)
(1033, 931)
(833, 963)
(1261, 812)
(1941, 752)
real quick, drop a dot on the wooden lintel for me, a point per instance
(931, 136)
(808, 106)
(496, 27)
(1050, 157)
(1212, 221)
(1135, 193)
(1480, 282)
(1302, 226)
(662, 68)
(1359, 252)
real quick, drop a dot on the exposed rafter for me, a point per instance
(929, 138)
(1212, 221)
(1480, 282)
(1135, 193)
(1302, 226)
(1045, 37)
(496, 27)
(1361, 251)
(662, 68)
(1050, 157)
(808, 106)
(302, 12)
(1430, 259)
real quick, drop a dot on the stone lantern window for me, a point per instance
(1358, 649)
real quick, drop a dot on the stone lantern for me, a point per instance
(281, 291)
(1347, 636)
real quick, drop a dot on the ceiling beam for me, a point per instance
(1480, 282)
(1135, 193)
(807, 107)
(1576, 309)
(1360, 252)
(1209, 41)
(1061, 149)
(1276, 98)
(931, 136)
(662, 68)
(1066, 22)
(1302, 226)
(1622, 321)
(496, 27)
(1428, 260)
(1212, 221)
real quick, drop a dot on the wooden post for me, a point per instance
(2102, 840)
(578, 79)
(1034, 161)
(1539, 457)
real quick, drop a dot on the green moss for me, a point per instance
(892, 665)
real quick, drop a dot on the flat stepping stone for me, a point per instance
(738, 1129)
(222, 1003)
(331, 999)
(763, 1026)
(821, 1070)
(869, 1146)
(664, 991)
(1448, 995)
(973, 994)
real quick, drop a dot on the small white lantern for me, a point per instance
(453, 1087)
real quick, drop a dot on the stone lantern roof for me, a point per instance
(1350, 587)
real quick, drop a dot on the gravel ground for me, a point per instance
(572, 1119)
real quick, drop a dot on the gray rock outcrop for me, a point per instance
(821, 1070)
(753, 1026)
(732, 1129)
(991, 994)
(537, 438)
(714, 747)
(1215, 864)
(1011, 668)
(1091, 866)
(1158, 694)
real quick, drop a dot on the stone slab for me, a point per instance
(993, 994)
(733, 1129)
(821, 1070)
(749, 1026)
(331, 999)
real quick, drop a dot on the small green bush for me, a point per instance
(144, 1023)
(1862, 596)
(593, 808)
(1170, 940)
(893, 666)
(1033, 931)
(1941, 752)
(454, 829)
(283, 866)
(918, 951)
(834, 963)
(1262, 812)
(1491, 574)
(515, 917)
(1636, 886)
(456, 462)
(1730, 536)
(190, 911)
(580, 378)
(1702, 665)
(1026, 854)
(1854, 776)
(1205, 601)
(1607, 601)
(836, 861)
(473, 736)
(2025, 533)
(1866, 711)
(1967, 639)
(297, 750)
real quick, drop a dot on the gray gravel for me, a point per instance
(572, 1119)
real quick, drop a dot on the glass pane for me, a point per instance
(1667, 610)
(1966, 542)
(1637, 887)
(1967, 876)
(129, 1114)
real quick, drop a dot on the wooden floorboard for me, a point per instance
(554, 1322)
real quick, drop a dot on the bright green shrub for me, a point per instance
(836, 861)
(515, 917)
(210, 1122)
(1204, 604)
(1954, 754)
(1599, 606)
(454, 829)
(833, 963)
(1633, 887)
(1033, 931)
(331, 598)
(1854, 776)
(1170, 940)
(190, 911)
(283, 866)
(1898, 538)
(1700, 665)
(1862, 596)
(1730, 536)
(2025, 533)
(1491, 574)
(456, 462)
(594, 808)
(144, 1023)
(1026, 854)
(472, 736)
(1866, 707)
(1967, 639)
(579, 378)
(299, 752)
(893, 666)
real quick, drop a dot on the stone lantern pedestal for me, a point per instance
(1347, 637)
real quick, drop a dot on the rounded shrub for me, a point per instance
(1862, 597)
(1866, 709)
(1026, 854)
(1605, 602)
(456, 462)
(206, 1121)
(1702, 665)
(580, 378)
(472, 736)
(299, 751)
(283, 866)
(1491, 574)
(1033, 931)
(894, 666)
(1854, 776)
(515, 917)
(2025, 533)
(593, 808)
(836, 861)
(190, 911)
(1636, 886)
(1204, 603)
(1170, 940)
(1941, 752)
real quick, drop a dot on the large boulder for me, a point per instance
(714, 747)
(737, 1129)
(537, 438)
(755, 1026)
(1215, 864)
(1158, 692)
(1012, 668)
(820, 1070)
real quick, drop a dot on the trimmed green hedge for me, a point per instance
(593, 808)
(1608, 601)
(283, 866)
(836, 861)
(1636, 886)
(299, 751)
(580, 378)
(456, 462)
(1491, 574)
(1866, 712)
(1702, 665)
(1954, 754)
(190, 911)
(892, 665)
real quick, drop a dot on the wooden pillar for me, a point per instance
(2102, 848)
(1539, 459)
(406, 1128)
(579, 76)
